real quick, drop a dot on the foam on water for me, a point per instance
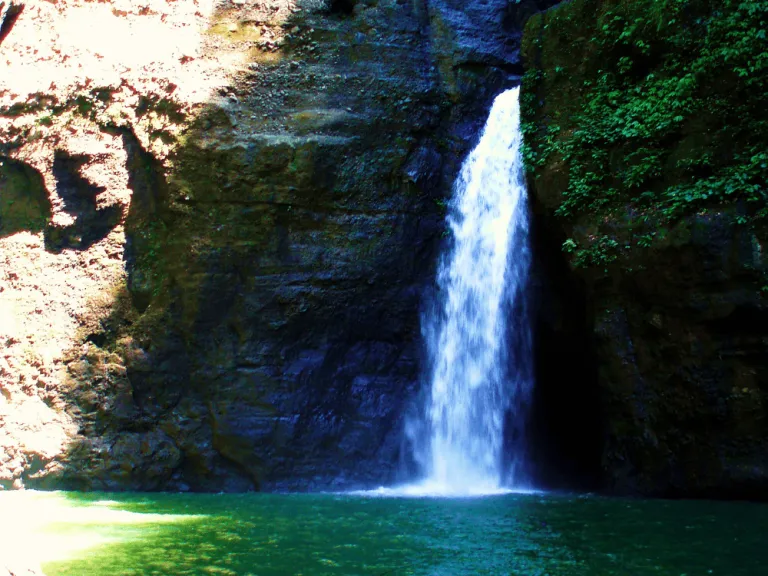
(431, 490)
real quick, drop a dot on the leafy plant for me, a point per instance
(656, 107)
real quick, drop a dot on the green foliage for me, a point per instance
(602, 250)
(649, 106)
(45, 120)
(83, 105)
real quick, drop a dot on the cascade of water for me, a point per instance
(479, 365)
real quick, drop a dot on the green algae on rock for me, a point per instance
(641, 112)
(646, 144)
(24, 204)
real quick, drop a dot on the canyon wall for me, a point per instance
(218, 221)
(646, 154)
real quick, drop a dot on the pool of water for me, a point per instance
(330, 534)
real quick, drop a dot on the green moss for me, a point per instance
(167, 107)
(46, 120)
(236, 31)
(163, 135)
(647, 108)
(24, 203)
(34, 105)
(83, 106)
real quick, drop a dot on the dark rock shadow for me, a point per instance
(565, 426)
(342, 6)
(8, 17)
(79, 196)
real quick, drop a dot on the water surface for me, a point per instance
(324, 534)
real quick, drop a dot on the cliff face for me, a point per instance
(255, 210)
(646, 148)
(214, 245)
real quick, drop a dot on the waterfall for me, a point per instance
(477, 334)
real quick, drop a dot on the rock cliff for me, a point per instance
(218, 220)
(215, 242)
(646, 148)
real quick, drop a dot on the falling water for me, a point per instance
(477, 335)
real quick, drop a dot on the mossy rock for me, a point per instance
(24, 203)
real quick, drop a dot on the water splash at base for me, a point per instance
(430, 490)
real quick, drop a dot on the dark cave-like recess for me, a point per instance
(565, 431)
(342, 6)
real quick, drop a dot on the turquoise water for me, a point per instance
(261, 534)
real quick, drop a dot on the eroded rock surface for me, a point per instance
(240, 222)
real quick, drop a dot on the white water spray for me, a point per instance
(480, 365)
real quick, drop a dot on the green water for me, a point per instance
(259, 534)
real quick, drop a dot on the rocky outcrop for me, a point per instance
(278, 237)
(665, 253)
(213, 251)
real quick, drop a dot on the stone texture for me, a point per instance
(676, 328)
(296, 232)
(279, 235)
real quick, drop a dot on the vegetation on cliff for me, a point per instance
(643, 111)
(646, 148)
